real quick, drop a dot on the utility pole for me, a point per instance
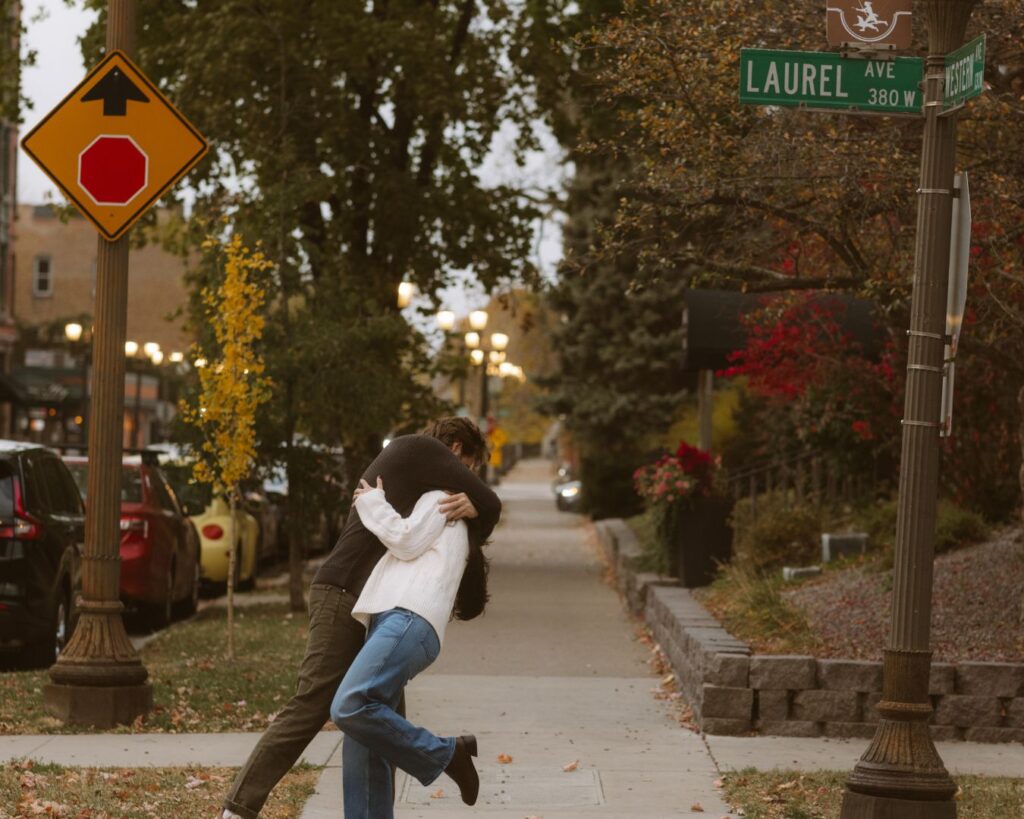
(99, 679)
(900, 775)
(484, 395)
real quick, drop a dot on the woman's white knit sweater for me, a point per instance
(423, 566)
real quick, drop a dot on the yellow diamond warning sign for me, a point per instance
(115, 145)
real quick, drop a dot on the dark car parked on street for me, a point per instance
(42, 533)
(160, 562)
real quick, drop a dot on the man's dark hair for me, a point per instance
(454, 428)
(472, 596)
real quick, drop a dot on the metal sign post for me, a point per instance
(109, 147)
(956, 295)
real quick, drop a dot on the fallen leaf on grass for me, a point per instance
(572, 766)
(504, 759)
(438, 794)
(193, 783)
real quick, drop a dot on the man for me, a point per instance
(438, 458)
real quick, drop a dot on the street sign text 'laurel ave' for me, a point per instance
(817, 79)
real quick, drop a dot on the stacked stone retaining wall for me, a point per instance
(733, 691)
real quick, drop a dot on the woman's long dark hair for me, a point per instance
(472, 596)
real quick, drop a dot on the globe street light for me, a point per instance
(406, 290)
(446, 320)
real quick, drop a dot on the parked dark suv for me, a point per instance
(42, 532)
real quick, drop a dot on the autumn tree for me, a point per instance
(232, 386)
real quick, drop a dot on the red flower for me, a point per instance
(863, 429)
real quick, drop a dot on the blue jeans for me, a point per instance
(399, 645)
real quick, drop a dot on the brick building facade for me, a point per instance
(54, 283)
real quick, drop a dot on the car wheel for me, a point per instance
(190, 604)
(45, 652)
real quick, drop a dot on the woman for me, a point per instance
(405, 605)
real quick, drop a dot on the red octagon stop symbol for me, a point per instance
(113, 170)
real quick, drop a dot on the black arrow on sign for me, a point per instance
(115, 89)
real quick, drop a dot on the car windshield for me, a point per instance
(131, 481)
(179, 476)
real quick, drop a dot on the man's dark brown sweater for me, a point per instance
(408, 466)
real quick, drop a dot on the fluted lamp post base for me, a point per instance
(99, 679)
(901, 775)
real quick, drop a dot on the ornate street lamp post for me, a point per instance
(99, 679)
(900, 775)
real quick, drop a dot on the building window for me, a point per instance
(42, 277)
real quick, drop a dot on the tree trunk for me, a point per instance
(1020, 476)
(296, 536)
(232, 560)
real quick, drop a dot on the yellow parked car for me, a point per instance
(213, 525)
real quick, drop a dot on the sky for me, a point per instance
(53, 30)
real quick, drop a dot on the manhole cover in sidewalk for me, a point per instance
(535, 787)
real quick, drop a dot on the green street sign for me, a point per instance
(965, 73)
(820, 79)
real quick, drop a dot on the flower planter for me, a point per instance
(703, 540)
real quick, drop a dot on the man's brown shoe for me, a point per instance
(462, 770)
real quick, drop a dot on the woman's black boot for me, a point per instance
(462, 770)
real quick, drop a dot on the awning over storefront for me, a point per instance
(12, 391)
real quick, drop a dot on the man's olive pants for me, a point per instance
(334, 641)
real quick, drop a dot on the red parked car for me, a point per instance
(159, 545)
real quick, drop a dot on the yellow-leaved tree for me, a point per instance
(232, 385)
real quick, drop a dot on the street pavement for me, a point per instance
(551, 676)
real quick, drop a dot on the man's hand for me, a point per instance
(365, 487)
(457, 506)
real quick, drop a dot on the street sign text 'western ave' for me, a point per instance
(818, 79)
(965, 73)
